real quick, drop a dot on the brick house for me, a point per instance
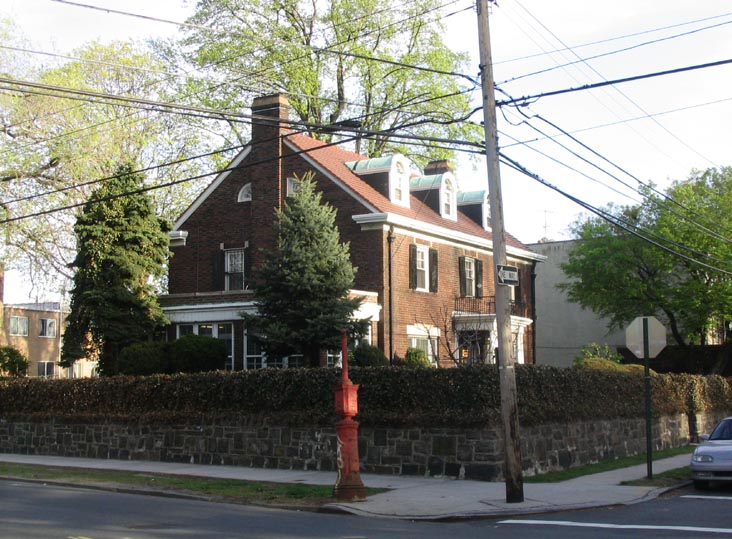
(422, 249)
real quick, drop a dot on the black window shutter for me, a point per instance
(218, 270)
(413, 266)
(247, 267)
(461, 271)
(433, 270)
(478, 278)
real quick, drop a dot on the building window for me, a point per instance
(253, 354)
(46, 327)
(46, 369)
(293, 186)
(245, 193)
(448, 199)
(427, 344)
(234, 269)
(19, 326)
(471, 277)
(399, 184)
(222, 331)
(422, 268)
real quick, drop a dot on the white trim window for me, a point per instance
(223, 331)
(422, 268)
(425, 338)
(46, 369)
(399, 183)
(47, 327)
(19, 326)
(293, 186)
(448, 199)
(245, 193)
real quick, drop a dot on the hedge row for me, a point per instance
(466, 396)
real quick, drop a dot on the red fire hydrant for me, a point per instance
(348, 484)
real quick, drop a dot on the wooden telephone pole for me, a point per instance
(505, 359)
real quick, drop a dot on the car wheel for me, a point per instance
(701, 485)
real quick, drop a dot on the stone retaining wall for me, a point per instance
(462, 453)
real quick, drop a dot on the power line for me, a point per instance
(521, 101)
(586, 63)
(616, 38)
(610, 53)
(634, 230)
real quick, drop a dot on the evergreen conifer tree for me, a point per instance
(303, 290)
(122, 246)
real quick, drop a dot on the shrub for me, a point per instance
(144, 358)
(197, 353)
(12, 361)
(367, 355)
(416, 358)
(598, 351)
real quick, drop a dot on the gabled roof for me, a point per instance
(334, 162)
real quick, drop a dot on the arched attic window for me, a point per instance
(448, 200)
(245, 193)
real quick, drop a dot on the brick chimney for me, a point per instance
(438, 167)
(267, 112)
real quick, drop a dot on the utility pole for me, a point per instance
(505, 359)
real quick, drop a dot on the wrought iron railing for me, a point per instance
(487, 305)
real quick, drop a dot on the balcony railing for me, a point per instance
(487, 305)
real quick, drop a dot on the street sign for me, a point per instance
(508, 275)
(656, 337)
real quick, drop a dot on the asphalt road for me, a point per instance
(35, 511)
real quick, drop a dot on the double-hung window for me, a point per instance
(471, 277)
(422, 268)
(19, 326)
(234, 269)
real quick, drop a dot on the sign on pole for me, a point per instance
(656, 337)
(646, 337)
(508, 275)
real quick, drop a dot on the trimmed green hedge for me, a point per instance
(388, 396)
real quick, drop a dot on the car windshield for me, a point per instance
(723, 431)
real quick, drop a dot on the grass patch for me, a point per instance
(664, 479)
(605, 466)
(228, 490)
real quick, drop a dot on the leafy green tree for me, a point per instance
(55, 145)
(338, 60)
(302, 287)
(122, 246)
(684, 279)
(12, 361)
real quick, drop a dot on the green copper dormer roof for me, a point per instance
(421, 183)
(377, 164)
(471, 197)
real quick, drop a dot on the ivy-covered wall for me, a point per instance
(413, 421)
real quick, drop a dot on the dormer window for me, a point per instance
(245, 193)
(447, 195)
(399, 182)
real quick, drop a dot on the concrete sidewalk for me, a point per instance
(417, 498)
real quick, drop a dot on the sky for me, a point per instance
(651, 131)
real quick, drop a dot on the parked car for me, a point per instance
(712, 459)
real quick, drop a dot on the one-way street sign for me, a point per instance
(508, 275)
